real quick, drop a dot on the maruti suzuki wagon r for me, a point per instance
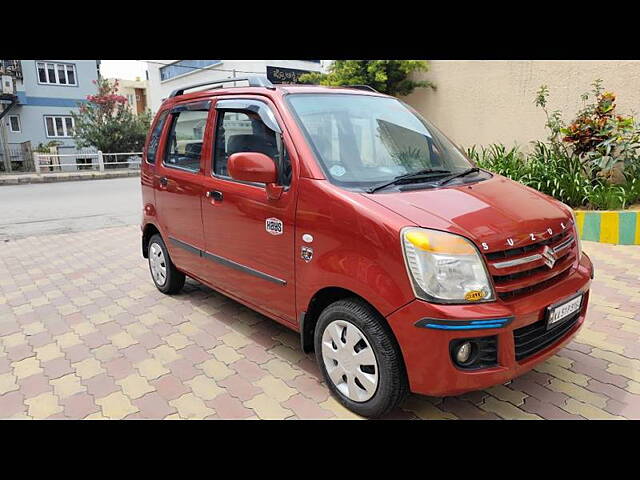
(344, 215)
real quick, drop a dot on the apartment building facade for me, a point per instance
(136, 93)
(168, 75)
(38, 97)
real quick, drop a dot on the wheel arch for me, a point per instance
(319, 301)
(149, 231)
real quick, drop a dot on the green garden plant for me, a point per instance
(540, 170)
(594, 162)
(607, 143)
(603, 139)
(46, 147)
(604, 196)
(387, 76)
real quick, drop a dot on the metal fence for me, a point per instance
(80, 161)
(23, 160)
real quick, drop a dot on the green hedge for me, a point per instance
(556, 174)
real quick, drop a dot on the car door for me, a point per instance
(249, 239)
(180, 185)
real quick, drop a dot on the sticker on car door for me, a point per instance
(274, 226)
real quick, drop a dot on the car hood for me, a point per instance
(496, 214)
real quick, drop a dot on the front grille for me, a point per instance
(512, 252)
(502, 279)
(533, 338)
(533, 288)
(522, 270)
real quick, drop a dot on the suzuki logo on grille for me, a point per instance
(549, 256)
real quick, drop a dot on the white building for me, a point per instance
(168, 75)
(135, 91)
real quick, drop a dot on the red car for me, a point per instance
(346, 216)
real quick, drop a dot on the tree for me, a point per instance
(105, 123)
(386, 76)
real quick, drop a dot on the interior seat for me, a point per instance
(250, 143)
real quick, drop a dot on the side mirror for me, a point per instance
(255, 167)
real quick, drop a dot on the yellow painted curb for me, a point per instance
(616, 227)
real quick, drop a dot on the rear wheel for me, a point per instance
(360, 358)
(167, 278)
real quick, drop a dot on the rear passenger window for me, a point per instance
(184, 143)
(246, 132)
(154, 141)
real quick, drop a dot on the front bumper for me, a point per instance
(427, 358)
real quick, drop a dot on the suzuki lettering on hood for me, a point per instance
(548, 253)
(497, 214)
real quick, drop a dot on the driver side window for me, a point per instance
(244, 131)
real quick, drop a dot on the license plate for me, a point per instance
(556, 314)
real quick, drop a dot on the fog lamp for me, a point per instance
(463, 352)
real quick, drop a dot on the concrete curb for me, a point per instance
(607, 226)
(64, 177)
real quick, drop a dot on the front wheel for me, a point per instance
(360, 358)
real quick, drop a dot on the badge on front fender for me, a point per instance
(306, 253)
(274, 226)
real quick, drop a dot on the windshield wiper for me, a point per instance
(458, 175)
(424, 173)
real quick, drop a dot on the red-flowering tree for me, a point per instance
(105, 123)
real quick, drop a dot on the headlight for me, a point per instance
(577, 233)
(444, 267)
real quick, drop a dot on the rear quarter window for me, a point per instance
(154, 141)
(184, 142)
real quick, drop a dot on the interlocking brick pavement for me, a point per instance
(85, 334)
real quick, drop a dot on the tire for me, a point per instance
(361, 397)
(159, 261)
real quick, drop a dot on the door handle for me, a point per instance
(215, 194)
(164, 181)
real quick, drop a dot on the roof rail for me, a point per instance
(363, 87)
(358, 87)
(254, 81)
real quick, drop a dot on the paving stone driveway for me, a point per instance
(85, 334)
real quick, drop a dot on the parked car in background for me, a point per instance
(344, 215)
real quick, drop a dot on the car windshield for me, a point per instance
(362, 140)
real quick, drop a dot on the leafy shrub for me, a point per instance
(498, 159)
(578, 163)
(555, 175)
(46, 147)
(607, 143)
(604, 196)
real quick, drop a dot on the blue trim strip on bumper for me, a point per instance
(440, 324)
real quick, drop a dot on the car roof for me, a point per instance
(283, 89)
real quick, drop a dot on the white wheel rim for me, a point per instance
(158, 264)
(350, 361)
